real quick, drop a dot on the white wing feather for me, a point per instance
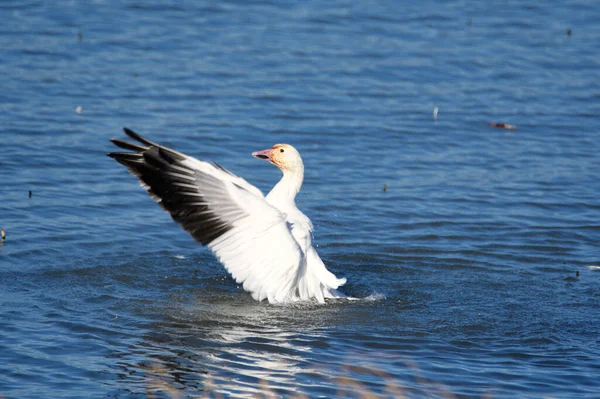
(259, 251)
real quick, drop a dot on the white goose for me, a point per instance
(265, 243)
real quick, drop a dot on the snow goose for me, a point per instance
(264, 242)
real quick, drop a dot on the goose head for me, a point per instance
(284, 156)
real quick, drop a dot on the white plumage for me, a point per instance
(264, 242)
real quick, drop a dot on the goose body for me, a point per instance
(265, 243)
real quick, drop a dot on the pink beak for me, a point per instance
(264, 154)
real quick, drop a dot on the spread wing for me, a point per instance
(223, 211)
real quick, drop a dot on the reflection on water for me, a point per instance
(244, 349)
(237, 348)
(254, 359)
(253, 364)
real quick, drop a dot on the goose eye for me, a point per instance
(281, 150)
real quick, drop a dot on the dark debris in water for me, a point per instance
(502, 125)
(571, 278)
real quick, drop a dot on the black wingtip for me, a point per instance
(128, 146)
(133, 134)
(132, 160)
(139, 138)
(121, 155)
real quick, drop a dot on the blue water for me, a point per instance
(466, 263)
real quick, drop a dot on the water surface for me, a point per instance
(466, 263)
